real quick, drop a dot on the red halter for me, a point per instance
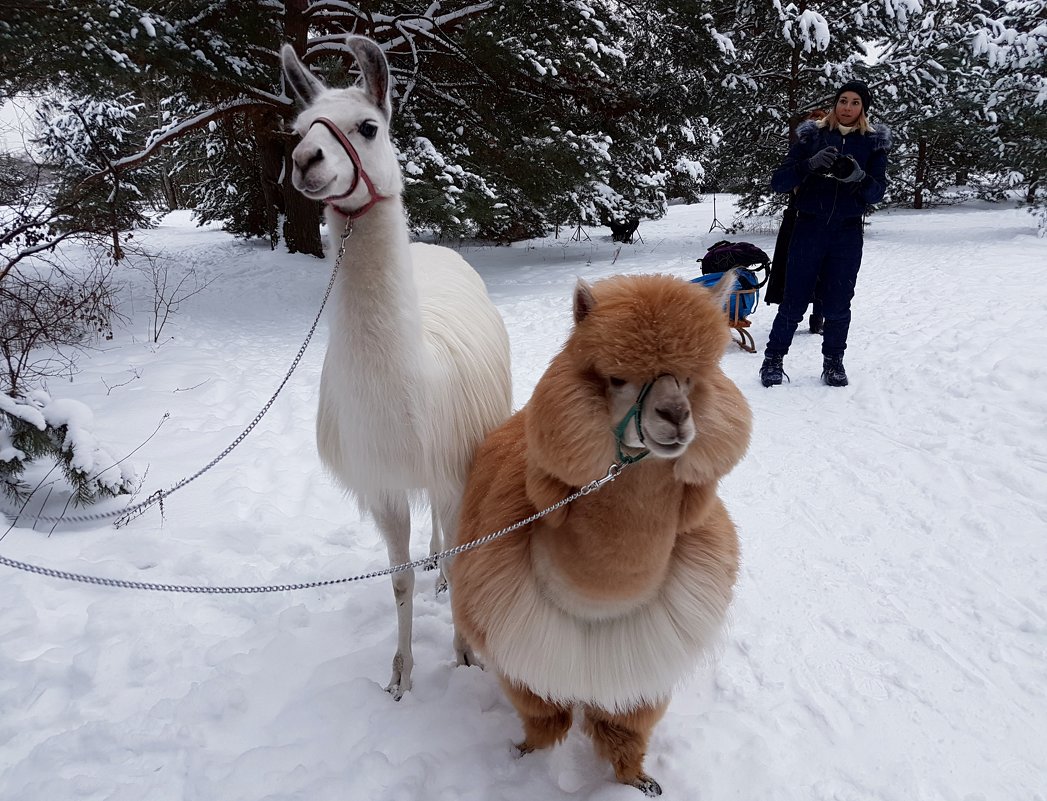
(350, 151)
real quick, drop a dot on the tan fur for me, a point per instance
(621, 739)
(544, 723)
(609, 602)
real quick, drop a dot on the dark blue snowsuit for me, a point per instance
(826, 246)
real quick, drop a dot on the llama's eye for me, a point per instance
(368, 130)
(616, 382)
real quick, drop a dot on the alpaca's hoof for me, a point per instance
(646, 785)
(397, 689)
(466, 658)
(441, 585)
(523, 749)
(464, 653)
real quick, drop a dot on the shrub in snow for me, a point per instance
(38, 427)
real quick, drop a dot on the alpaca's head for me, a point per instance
(651, 345)
(323, 169)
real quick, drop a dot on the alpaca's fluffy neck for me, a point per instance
(615, 547)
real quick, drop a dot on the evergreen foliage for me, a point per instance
(517, 117)
(787, 60)
(81, 138)
(38, 428)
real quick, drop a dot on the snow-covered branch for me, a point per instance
(199, 121)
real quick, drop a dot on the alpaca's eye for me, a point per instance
(368, 130)
(615, 382)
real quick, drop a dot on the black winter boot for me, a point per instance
(815, 322)
(833, 373)
(771, 371)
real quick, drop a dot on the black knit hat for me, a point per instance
(860, 89)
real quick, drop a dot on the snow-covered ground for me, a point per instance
(889, 634)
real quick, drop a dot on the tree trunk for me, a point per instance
(268, 141)
(170, 188)
(792, 102)
(921, 173)
(1030, 193)
(301, 215)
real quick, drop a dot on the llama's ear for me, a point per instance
(374, 72)
(584, 302)
(303, 83)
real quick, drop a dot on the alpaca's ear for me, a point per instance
(724, 287)
(584, 302)
(303, 83)
(374, 72)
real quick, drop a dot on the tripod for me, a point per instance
(716, 222)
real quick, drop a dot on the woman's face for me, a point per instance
(848, 108)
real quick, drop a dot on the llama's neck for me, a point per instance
(378, 242)
(376, 325)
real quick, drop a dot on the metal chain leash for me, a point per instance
(612, 473)
(160, 495)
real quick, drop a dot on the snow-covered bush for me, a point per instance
(39, 427)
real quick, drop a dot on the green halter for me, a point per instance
(635, 411)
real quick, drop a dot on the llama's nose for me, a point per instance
(307, 158)
(675, 413)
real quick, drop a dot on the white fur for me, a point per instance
(635, 658)
(408, 390)
(417, 366)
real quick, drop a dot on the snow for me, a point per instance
(17, 115)
(888, 639)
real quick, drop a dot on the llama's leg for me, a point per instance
(622, 740)
(436, 544)
(448, 522)
(394, 520)
(544, 723)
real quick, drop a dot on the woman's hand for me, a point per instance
(823, 159)
(856, 173)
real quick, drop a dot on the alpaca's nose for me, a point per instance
(676, 413)
(305, 159)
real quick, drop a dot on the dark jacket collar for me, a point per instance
(881, 134)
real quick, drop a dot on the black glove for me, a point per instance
(856, 174)
(823, 159)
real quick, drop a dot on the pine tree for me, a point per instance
(929, 99)
(787, 60)
(37, 428)
(1009, 40)
(81, 138)
(510, 119)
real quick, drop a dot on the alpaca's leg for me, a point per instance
(544, 723)
(622, 740)
(448, 522)
(394, 521)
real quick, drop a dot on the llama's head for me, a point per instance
(324, 168)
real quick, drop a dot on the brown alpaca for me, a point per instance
(605, 605)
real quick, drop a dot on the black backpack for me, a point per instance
(724, 255)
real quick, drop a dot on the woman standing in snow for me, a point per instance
(837, 167)
(780, 261)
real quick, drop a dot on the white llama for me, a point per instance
(417, 367)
